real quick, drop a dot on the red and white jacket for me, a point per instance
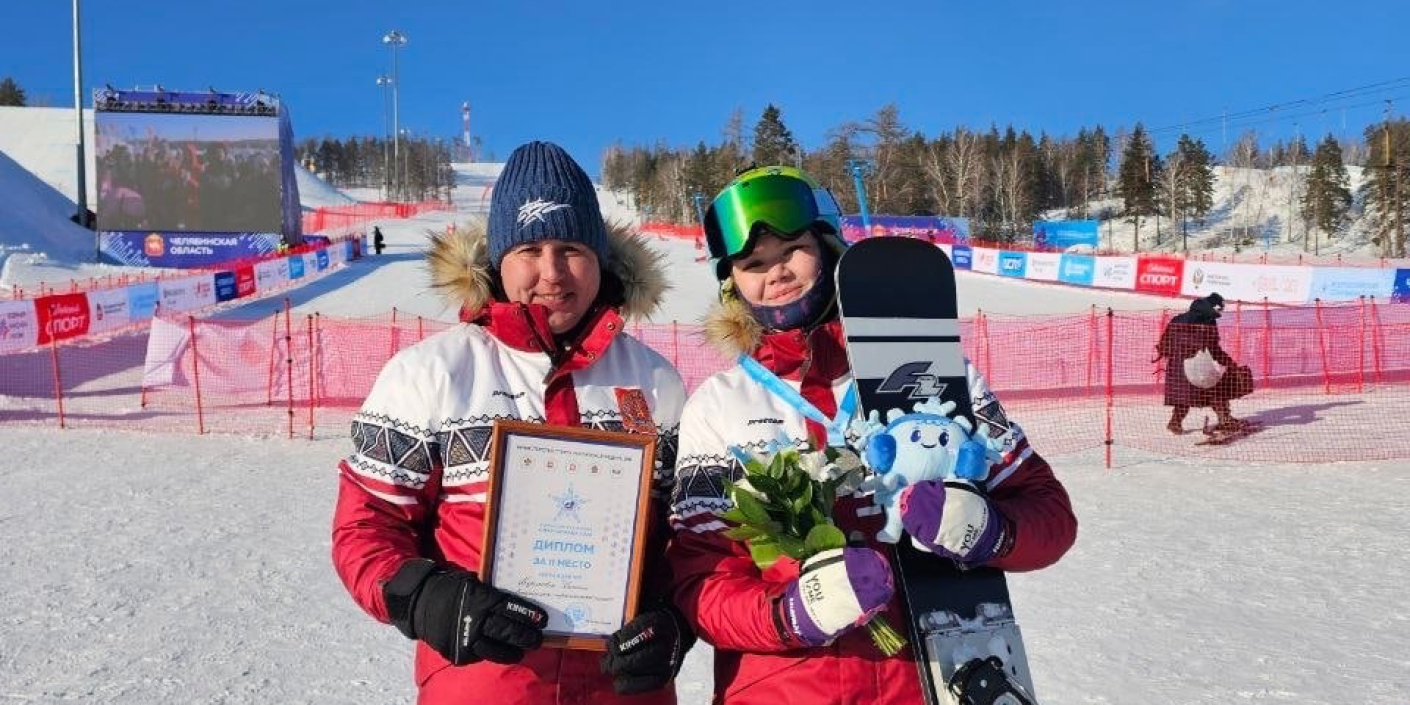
(415, 483)
(728, 599)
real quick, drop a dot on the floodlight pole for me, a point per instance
(387, 164)
(858, 168)
(82, 191)
(396, 39)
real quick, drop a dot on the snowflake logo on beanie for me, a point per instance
(535, 210)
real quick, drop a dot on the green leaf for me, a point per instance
(744, 533)
(804, 500)
(754, 467)
(753, 510)
(824, 537)
(765, 554)
(769, 486)
(733, 515)
(793, 547)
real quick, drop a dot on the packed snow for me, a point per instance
(178, 568)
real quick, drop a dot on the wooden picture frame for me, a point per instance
(596, 485)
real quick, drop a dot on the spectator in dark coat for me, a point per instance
(1186, 336)
(378, 242)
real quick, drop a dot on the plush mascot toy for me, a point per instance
(926, 444)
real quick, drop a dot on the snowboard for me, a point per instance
(900, 315)
(1213, 437)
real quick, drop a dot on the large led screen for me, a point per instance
(188, 172)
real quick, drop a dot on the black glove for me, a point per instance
(647, 653)
(460, 617)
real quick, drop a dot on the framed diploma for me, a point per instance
(566, 520)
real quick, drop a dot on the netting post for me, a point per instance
(289, 364)
(675, 346)
(1267, 343)
(273, 348)
(420, 329)
(58, 380)
(1091, 344)
(196, 375)
(1376, 340)
(1238, 329)
(1110, 386)
(392, 335)
(988, 361)
(1322, 344)
(1361, 347)
(311, 375)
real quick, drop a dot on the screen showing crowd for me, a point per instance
(185, 172)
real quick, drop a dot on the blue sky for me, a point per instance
(587, 74)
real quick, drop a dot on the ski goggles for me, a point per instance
(784, 203)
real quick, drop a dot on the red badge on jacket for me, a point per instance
(636, 415)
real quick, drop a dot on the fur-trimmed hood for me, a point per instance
(459, 264)
(730, 326)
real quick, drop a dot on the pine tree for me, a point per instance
(773, 143)
(1387, 186)
(1328, 197)
(11, 94)
(1136, 178)
(1192, 181)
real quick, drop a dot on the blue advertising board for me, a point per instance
(1013, 264)
(1077, 269)
(961, 256)
(931, 228)
(184, 250)
(1401, 292)
(322, 256)
(1063, 235)
(142, 300)
(225, 288)
(296, 266)
(1347, 283)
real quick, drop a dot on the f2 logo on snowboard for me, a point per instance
(912, 375)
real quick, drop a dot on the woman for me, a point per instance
(775, 235)
(1193, 380)
(543, 287)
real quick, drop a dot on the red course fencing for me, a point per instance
(352, 215)
(1331, 382)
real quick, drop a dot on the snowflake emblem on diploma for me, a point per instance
(568, 505)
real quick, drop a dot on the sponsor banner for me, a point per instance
(296, 266)
(61, 317)
(1115, 273)
(985, 260)
(271, 273)
(1077, 269)
(932, 228)
(1013, 264)
(187, 293)
(1401, 292)
(244, 281)
(1043, 266)
(1065, 235)
(1348, 283)
(142, 300)
(184, 250)
(1159, 275)
(1248, 282)
(321, 258)
(225, 288)
(311, 263)
(19, 327)
(108, 310)
(962, 256)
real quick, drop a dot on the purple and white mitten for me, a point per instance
(953, 519)
(836, 590)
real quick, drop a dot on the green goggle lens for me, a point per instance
(784, 203)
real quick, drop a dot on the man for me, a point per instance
(542, 289)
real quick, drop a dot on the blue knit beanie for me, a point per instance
(543, 194)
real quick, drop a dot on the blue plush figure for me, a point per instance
(924, 445)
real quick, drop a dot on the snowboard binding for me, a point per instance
(984, 682)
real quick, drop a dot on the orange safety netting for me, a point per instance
(1330, 382)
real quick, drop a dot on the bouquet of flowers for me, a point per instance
(783, 507)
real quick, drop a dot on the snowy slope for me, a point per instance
(34, 223)
(178, 568)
